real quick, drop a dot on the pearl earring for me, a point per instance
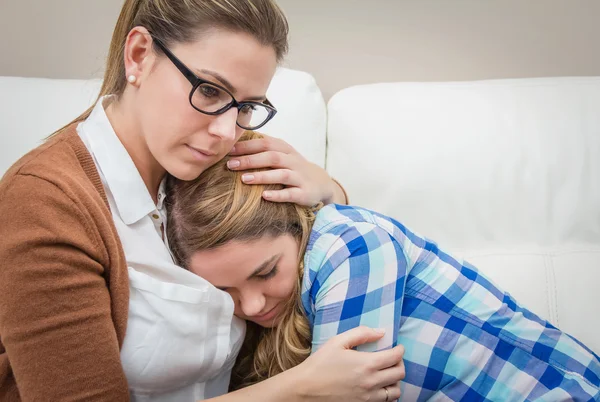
(131, 79)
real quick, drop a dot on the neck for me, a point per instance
(129, 133)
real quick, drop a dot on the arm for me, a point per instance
(282, 387)
(55, 312)
(343, 375)
(360, 282)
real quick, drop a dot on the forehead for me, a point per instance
(233, 262)
(248, 65)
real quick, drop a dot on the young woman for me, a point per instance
(92, 306)
(300, 279)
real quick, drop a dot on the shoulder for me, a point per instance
(62, 163)
(334, 222)
(55, 186)
(56, 153)
(341, 232)
(334, 216)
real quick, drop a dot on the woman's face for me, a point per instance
(182, 140)
(260, 275)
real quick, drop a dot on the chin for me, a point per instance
(271, 324)
(186, 172)
(264, 324)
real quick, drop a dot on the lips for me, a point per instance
(203, 151)
(268, 315)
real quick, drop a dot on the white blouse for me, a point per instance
(182, 337)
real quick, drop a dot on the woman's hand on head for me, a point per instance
(338, 373)
(305, 183)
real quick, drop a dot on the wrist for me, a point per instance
(338, 193)
(291, 386)
(329, 195)
(298, 383)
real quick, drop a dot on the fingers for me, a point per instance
(261, 145)
(286, 177)
(402, 370)
(392, 375)
(388, 358)
(269, 159)
(357, 336)
(389, 393)
(294, 195)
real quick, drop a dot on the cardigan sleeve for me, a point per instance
(55, 307)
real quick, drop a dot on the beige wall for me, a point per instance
(343, 42)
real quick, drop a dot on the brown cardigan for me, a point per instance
(64, 290)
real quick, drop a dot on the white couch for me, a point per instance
(505, 173)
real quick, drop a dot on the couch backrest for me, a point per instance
(33, 108)
(505, 172)
(510, 161)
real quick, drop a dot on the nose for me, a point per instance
(224, 125)
(252, 303)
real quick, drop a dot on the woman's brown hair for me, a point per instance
(218, 208)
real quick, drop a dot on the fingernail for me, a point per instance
(232, 149)
(233, 163)
(247, 178)
(380, 330)
(267, 194)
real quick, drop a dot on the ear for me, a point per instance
(139, 56)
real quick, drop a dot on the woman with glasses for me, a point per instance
(92, 305)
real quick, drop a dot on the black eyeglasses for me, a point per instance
(212, 99)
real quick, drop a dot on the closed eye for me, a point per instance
(268, 275)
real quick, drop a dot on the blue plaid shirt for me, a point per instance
(465, 339)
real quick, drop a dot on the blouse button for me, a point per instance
(155, 216)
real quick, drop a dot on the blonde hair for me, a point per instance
(182, 21)
(217, 208)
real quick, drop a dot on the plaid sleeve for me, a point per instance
(360, 281)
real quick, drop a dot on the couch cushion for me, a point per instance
(508, 171)
(33, 108)
(559, 285)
